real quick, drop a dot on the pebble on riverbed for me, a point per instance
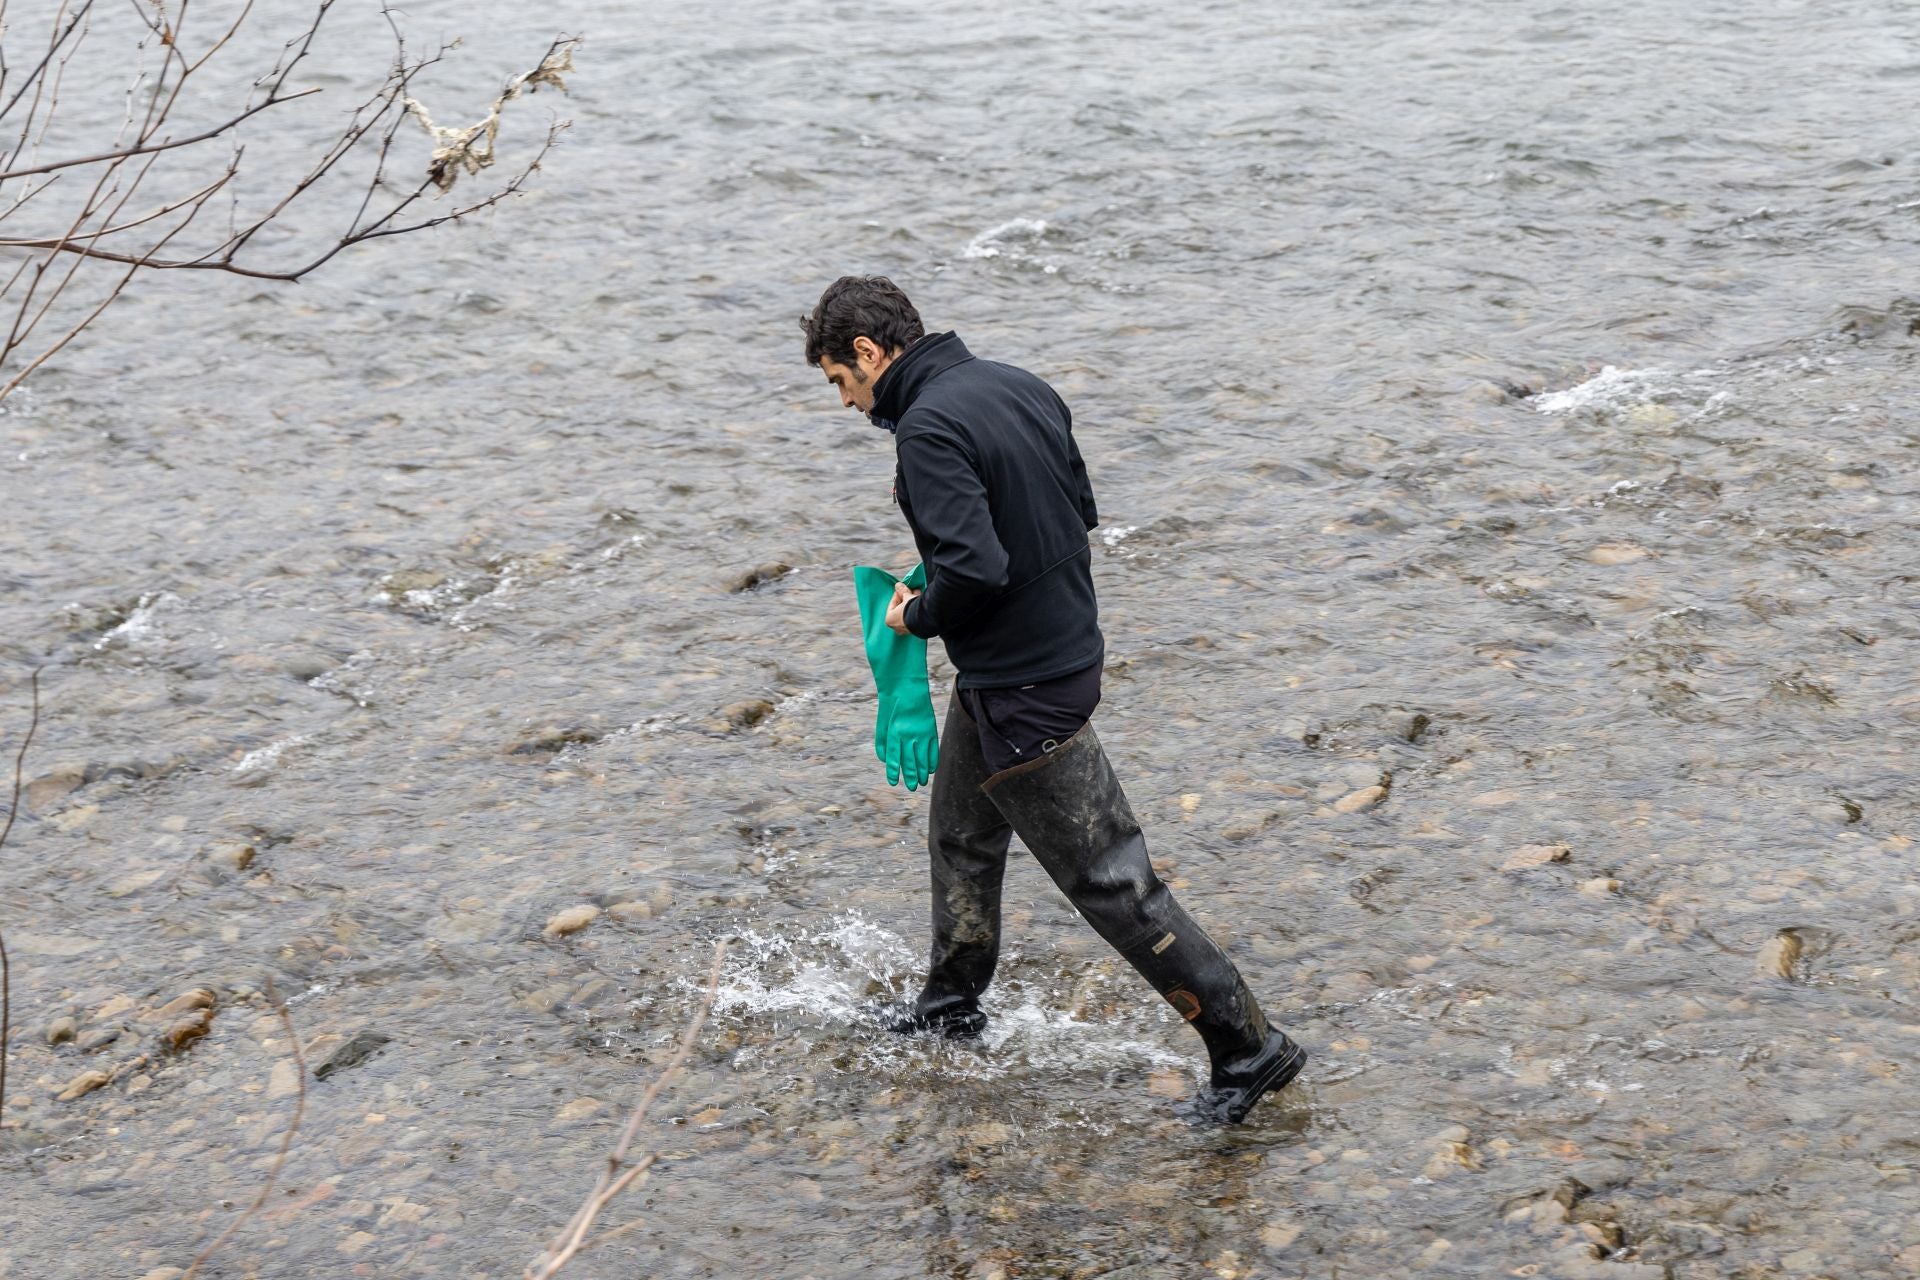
(1535, 855)
(744, 715)
(184, 1031)
(61, 1030)
(572, 920)
(84, 1083)
(1356, 801)
(233, 855)
(184, 1003)
(1780, 954)
(759, 576)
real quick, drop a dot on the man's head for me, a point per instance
(859, 326)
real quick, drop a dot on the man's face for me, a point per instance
(855, 382)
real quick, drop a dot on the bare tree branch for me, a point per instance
(619, 1175)
(97, 229)
(6, 968)
(286, 1142)
(168, 145)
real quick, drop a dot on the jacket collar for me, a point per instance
(908, 375)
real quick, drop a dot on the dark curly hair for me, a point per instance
(860, 307)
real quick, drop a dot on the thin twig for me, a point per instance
(618, 1175)
(170, 144)
(6, 970)
(286, 1143)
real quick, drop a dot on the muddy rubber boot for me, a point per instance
(967, 839)
(1069, 810)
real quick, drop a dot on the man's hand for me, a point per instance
(897, 611)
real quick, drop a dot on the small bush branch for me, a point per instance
(6, 970)
(619, 1175)
(286, 1142)
(91, 219)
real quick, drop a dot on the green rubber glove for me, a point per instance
(905, 736)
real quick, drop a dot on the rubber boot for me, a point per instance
(967, 839)
(1069, 810)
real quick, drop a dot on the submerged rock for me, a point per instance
(61, 1030)
(84, 1083)
(1535, 855)
(572, 920)
(1356, 801)
(361, 1046)
(745, 715)
(184, 1003)
(1780, 954)
(759, 576)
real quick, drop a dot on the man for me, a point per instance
(995, 492)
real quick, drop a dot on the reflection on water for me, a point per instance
(1508, 411)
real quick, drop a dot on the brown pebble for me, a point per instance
(84, 1083)
(188, 1029)
(1355, 801)
(1600, 887)
(97, 1038)
(1617, 553)
(61, 1030)
(231, 854)
(572, 920)
(1778, 957)
(745, 715)
(760, 575)
(1535, 855)
(186, 1002)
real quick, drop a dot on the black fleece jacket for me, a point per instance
(996, 494)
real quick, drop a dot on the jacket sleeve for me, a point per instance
(1083, 487)
(968, 567)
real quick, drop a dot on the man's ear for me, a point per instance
(866, 350)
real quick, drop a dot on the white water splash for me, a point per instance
(139, 626)
(266, 757)
(990, 243)
(831, 979)
(1610, 388)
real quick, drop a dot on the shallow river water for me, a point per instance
(1509, 406)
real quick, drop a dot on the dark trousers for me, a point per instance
(1021, 724)
(986, 731)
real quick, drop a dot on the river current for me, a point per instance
(1506, 406)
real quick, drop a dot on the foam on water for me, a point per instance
(828, 980)
(1610, 388)
(988, 243)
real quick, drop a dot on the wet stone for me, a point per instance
(745, 715)
(572, 920)
(61, 1030)
(184, 1003)
(232, 855)
(1243, 827)
(95, 1038)
(360, 1047)
(184, 1031)
(1357, 801)
(1535, 855)
(1779, 956)
(84, 1083)
(759, 576)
